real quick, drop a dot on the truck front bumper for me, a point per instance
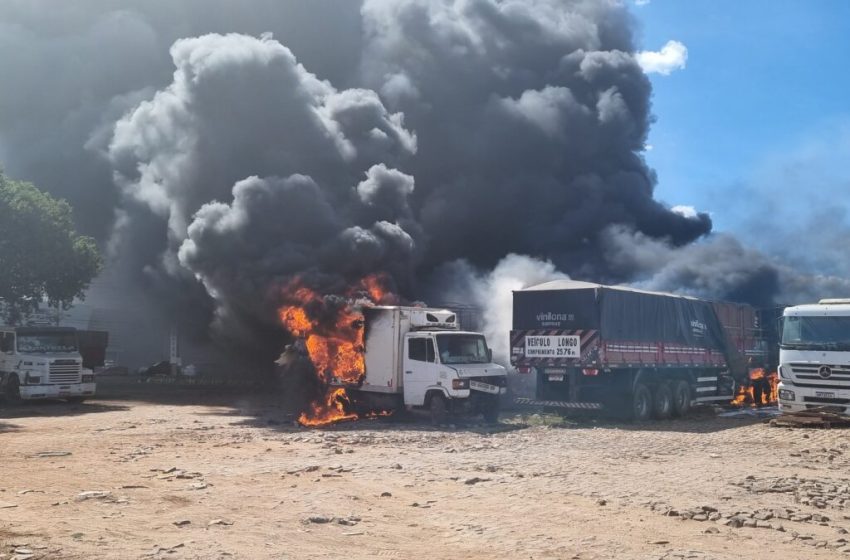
(29, 392)
(793, 398)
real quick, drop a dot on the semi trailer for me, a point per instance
(632, 352)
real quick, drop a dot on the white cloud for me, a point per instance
(685, 211)
(672, 56)
(641, 2)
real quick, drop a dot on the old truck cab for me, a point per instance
(42, 363)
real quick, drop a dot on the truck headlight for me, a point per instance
(32, 380)
(88, 379)
(459, 384)
(786, 395)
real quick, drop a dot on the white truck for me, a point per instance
(814, 357)
(42, 363)
(418, 358)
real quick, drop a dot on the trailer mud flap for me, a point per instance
(561, 404)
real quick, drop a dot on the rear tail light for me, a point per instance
(590, 372)
(523, 369)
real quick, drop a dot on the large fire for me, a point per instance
(331, 327)
(769, 394)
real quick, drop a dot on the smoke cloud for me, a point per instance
(218, 151)
(718, 267)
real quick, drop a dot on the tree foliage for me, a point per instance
(41, 255)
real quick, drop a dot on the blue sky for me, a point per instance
(759, 116)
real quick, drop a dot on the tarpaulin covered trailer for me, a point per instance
(592, 346)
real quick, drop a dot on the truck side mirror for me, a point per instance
(490, 355)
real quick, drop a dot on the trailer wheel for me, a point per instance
(681, 398)
(12, 394)
(438, 408)
(641, 402)
(662, 402)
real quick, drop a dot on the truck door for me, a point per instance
(420, 368)
(7, 349)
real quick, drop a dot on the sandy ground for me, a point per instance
(232, 478)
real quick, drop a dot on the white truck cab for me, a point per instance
(814, 357)
(42, 363)
(420, 357)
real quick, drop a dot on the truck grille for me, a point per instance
(62, 372)
(839, 374)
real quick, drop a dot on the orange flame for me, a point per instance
(328, 411)
(332, 329)
(746, 393)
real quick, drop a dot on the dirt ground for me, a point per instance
(139, 476)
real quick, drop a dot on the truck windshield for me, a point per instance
(462, 349)
(822, 333)
(47, 342)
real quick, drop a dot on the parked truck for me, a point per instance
(629, 351)
(814, 357)
(49, 362)
(418, 358)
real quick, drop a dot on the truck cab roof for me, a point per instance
(818, 310)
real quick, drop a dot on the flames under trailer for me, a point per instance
(417, 358)
(631, 352)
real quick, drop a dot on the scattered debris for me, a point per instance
(93, 495)
(44, 454)
(814, 418)
(475, 480)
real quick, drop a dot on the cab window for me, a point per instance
(421, 350)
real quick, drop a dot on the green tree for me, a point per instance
(41, 255)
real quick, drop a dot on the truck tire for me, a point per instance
(491, 410)
(12, 393)
(76, 400)
(641, 403)
(439, 409)
(662, 401)
(681, 398)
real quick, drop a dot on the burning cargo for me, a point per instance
(645, 353)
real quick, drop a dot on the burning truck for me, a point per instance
(645, 354)
(373, 359)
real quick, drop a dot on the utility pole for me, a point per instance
(174, 357)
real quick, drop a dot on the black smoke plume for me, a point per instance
(223, 148)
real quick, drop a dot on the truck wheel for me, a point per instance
(491, 411)
(681, 398)
(662, 401)
(12, 393)
(439, 409)
(641, 403)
